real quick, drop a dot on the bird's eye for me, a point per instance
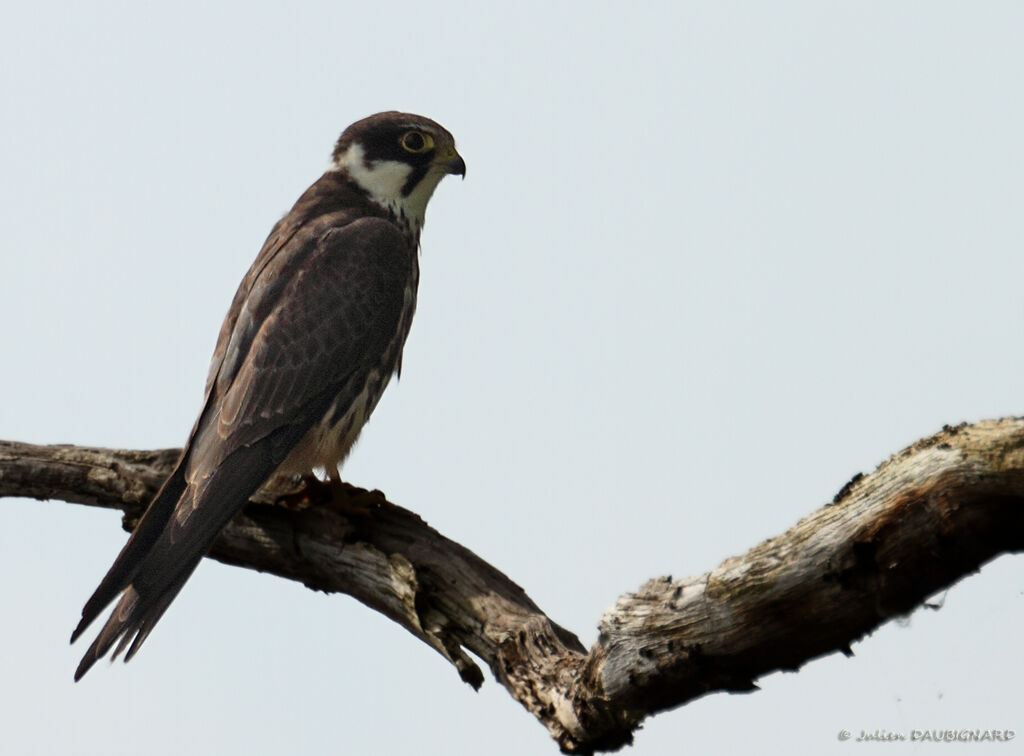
(416, 141)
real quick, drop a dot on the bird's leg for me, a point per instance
(351, 500)
(297, 492)
(301, 492)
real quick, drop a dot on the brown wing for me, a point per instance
(316, 319)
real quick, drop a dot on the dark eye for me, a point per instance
(416, 141)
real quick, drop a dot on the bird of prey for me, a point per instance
(312, 338)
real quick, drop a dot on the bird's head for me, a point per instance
(398, 159)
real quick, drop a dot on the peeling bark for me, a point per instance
(926, 517)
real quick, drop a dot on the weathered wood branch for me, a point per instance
(925, 518)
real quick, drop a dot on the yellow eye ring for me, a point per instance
(416, 141)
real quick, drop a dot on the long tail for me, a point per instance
(166, 548)
(143, 538)
(126, 624)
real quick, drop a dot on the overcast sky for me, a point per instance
(709, 261)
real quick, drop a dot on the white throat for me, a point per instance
(383, 180)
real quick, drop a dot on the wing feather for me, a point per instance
(313, 318)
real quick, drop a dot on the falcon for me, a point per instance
(313, 335)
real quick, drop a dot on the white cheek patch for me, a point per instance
(383, 179)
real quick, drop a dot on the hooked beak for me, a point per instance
(452, 162)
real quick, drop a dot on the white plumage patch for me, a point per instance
(383, 180)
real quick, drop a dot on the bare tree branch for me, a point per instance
(925, 518)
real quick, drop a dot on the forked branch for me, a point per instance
(925, 518)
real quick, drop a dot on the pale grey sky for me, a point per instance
(709, 261)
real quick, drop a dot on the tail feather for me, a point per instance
(164, 551)
(115, 625)
(144, 537)
(145, 626)
(132, 620)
